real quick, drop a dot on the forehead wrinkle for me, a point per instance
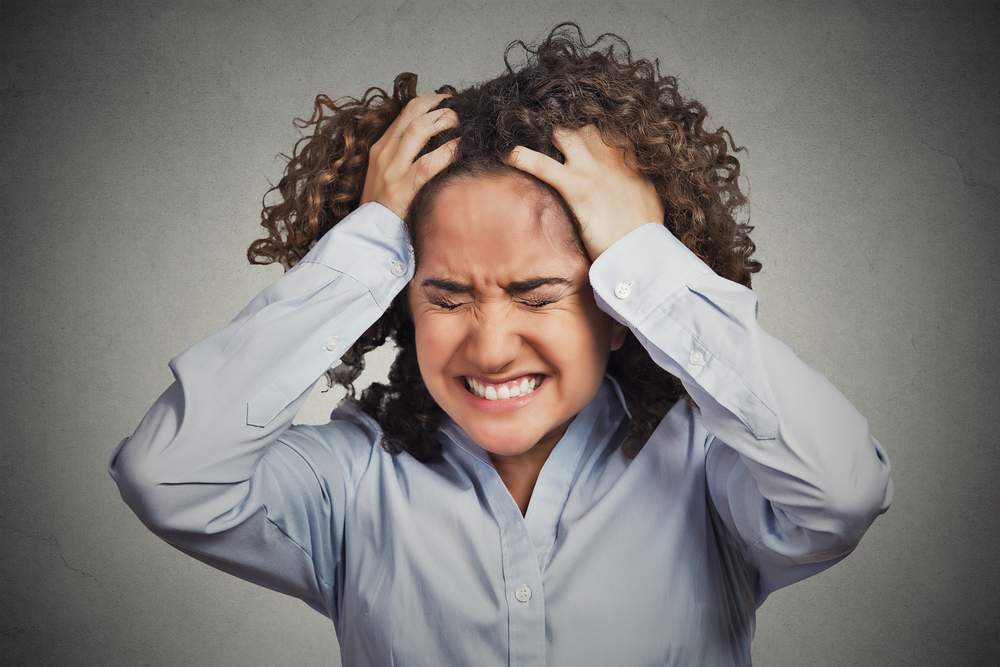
(550, 218)
(514, 287)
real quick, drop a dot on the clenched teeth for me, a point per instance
(500, 392)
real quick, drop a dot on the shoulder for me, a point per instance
(347, 445)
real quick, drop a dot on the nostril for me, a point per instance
(493, 349)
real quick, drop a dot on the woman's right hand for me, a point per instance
(394, 176)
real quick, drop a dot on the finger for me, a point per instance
(414, 109)
(421, 129)
(582, 147)
(418, 106)
(540, 166)
(428, 166)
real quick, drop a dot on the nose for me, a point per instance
(493, 342)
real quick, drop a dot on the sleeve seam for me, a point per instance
(278, 452)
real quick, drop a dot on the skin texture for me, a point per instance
(486, 236)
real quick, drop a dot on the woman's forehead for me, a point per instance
(495, 207)
(498, 225)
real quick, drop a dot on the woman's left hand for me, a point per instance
(608, 198)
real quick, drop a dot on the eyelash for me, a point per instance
(537, 303)
(531, 303)
(445, 304)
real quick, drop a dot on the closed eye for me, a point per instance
(447, 305)
(536, 303)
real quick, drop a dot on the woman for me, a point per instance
(588, 452)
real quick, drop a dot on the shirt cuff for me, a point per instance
(642, 269)
(694, 324)
(371, 231)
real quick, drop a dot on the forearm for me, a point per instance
(817, 479)
(188, 467)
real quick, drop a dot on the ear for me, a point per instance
(618, 333)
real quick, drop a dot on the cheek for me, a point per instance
(579, 345)
(599, 328)
(423, 335)
(434, 348)
(599, 344)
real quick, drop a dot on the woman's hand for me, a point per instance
(393, 176)
(607, 197)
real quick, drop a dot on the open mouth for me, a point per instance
(503, 390)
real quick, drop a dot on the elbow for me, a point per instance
(175, 500)
(853, 504)
(140, 488)
(156, 469)
(165, 506)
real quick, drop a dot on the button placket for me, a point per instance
(526, 603)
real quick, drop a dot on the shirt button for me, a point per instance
(523, 593)
(331, 343)
(622, 290)
(697, 358)
(398, 269)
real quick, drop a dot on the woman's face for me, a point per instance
(509, 339)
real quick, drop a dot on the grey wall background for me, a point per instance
(138, 138)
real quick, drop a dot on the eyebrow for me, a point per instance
(516, 287)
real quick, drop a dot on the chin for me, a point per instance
(510, 437)
(507, 440)
(506, 448)
(507, 428)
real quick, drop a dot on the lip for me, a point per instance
(509, 378)
(505, 405)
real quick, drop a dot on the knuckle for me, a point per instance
(376, 157)
(415, 128)
(410, 111)
(423, 170)
(419, 105)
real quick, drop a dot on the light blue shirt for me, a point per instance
(660, 560)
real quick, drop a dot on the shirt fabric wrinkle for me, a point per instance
(662, 559)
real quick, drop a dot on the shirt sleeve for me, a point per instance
(791, 468)
(214, 467)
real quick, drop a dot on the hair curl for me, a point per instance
(565, 82)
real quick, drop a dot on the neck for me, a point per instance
(519, 472)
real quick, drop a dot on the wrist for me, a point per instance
(597, 245)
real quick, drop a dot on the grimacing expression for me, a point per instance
(510, 341)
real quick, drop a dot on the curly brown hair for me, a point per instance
(565, 82)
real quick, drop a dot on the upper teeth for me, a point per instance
(503, 391)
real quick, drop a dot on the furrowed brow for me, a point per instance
(521, 286)
(447, 285)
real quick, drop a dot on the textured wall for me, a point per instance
(138, 137)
